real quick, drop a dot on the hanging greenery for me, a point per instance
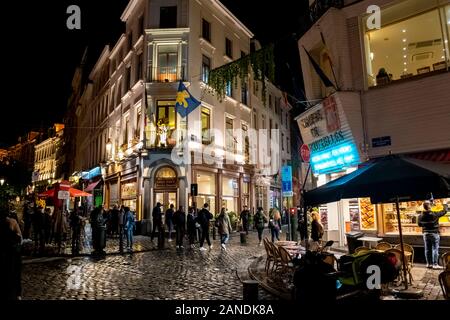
(262, 66)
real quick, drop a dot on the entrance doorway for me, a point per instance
(166, 198)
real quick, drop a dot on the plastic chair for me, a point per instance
(359, 249)
(445, 260)
(383, 246)
(444, 281)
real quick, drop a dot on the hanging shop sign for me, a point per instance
(129, 190)
(327, 135)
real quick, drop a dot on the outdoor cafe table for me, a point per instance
(370, 240)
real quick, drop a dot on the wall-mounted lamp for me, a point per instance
(2, 181)
(109, 145)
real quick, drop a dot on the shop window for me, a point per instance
(230, 186)
(408, 44)
(409, 215)
(166, 123)
(206, 190)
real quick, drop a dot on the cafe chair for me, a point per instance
(399, 265)
(276, 256)
(444, 281)
(383, 246)
(269, 255)
(407, 248)
(445, 260)
(362, 248)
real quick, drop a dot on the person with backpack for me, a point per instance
(259, 221)
(203, 218)
(179, 220)
(224, 227)
(129, 226)
(169, 220)
(244, 217)
(275, 225)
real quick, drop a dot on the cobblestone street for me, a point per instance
(153, 274)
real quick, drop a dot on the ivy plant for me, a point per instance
(260, 63)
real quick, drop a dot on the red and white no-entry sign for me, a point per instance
(305, 153)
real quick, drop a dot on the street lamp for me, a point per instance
(2, 181)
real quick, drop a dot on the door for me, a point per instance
(166, 198)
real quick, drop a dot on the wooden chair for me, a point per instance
(383, 246)
(285, 261)
(269, 255)
(444, 281)
(407, 248)
(362, 248)
(445, 260)
(276, 256)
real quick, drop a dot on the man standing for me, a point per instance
(179, 220)
(244, 218)
(129, 226)
(169, 220)
(204, 216)
(429, 221)
(157, 220)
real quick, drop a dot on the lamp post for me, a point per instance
(2, 181)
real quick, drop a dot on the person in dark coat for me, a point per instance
(191, 228)
(259, 220)
(157, 220)
(245, 214)
(429, 221)
(179, 220)
(75, 225)
(47, 225)
(38, 230)
(203, 218)
(169, 220)
(10, 258)
(114, 221)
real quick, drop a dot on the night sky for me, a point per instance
(41, 54)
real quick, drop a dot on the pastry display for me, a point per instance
(367, 214)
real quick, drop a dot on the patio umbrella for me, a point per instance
(73, 193)
(388, 179)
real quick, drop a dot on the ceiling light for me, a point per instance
(404, 30)
(443, 57)
(404, 48)
(404, 63)
(405, 69)
(371, 56)
(404, 40)
(404, 56)
(446, 41)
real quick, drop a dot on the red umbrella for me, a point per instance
(73, 193)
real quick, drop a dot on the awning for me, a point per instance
(92, 186)
(73, 193)
(437, 156)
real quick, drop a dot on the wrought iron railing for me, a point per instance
(319, 7)
(166, 74)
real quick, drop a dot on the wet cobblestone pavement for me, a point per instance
(154, 274)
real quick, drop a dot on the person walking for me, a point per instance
(301, 227)
(245, 214)
(169, 220)
(429, 221)
(224, 226)
(191, 228)
(316, 230)
(120, 222)
(179, 220)
(10, 258)
(275, 225)
(38, 230)
(203, 218)
(259, 221)
(47, 225)
(114, 221)
(75, 225)
(157, 220)
(129, 226)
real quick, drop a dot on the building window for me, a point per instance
(263, 121)
(282, 141)
(246, 140)
(244, 91)
(287, 145)
(206, 67)
(228, 48)
(206, 126)
(168, 17)
(206, 30)
(229, 89)
(229, 137)
(166, 123)
(138, 122)
(230, 193)
(255, 120)
(126, 130)
(167, 70)
(141, 25)
(400, 50)
(139, 67)
(130, 41)
(270, 101)
(287, 120)
(128, 78)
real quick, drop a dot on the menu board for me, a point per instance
(324, 217)
(367, 210)
(353, 208)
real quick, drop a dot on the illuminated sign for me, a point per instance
(335, 159)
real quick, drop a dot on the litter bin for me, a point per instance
(352, 240)
(243, 236)
(250, 290)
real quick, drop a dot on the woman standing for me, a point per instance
(316, 229)
(275, 225)
(224, 226)
(259, 221)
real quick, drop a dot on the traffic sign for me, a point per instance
(286, 173)
(305, 153)
(286, 181)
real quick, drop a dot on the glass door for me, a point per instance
(166, 199)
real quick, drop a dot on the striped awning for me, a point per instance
(436, 156)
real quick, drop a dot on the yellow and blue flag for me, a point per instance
(185, 103)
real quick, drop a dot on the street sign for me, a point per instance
(63, 195)
(286, 173)
(194, 189)
(305, 153)
(286, 181)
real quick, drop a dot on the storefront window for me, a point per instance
(409, 215)
(230, 187)
(206, 183)
(408, 43)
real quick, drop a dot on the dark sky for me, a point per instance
(41, 53)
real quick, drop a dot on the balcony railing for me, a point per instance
(319, 7)
(166, 74)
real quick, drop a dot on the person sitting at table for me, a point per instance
(316, 230)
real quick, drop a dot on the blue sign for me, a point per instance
(286, 173)
(286, 186)
(286, 181)
(381, 142)
(335, 159)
